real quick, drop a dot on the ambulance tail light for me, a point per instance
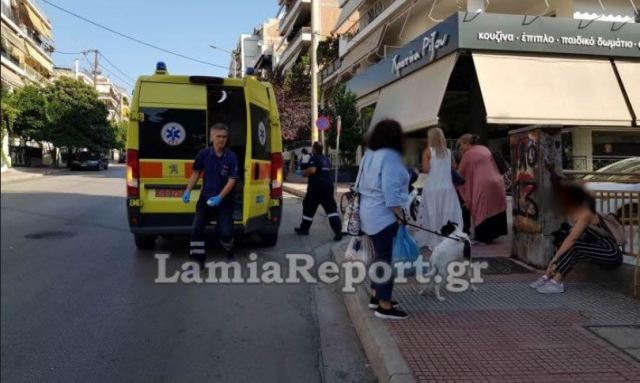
(276, 175)
(133, 173)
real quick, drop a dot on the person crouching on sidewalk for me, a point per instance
(589, 239)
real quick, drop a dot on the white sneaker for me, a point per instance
(552, 287)
(540, 282)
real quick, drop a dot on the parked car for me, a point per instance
(122, 159)
(88, 161)
(617, 190)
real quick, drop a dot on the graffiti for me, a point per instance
(525, 151)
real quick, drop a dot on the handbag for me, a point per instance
(360, 249)
(614, 229)
(351, 224)
(457, 178)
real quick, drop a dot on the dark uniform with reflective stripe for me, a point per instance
(319, 192)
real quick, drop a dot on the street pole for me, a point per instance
(315, 15)
(95, 69)
(337, 164)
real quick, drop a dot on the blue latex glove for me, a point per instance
(214, 201)
(186, 197)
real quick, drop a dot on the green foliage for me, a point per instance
(121, 135)
(328, 50)
(78, 117)
(32, 120)
(341, 102)
(297, 81)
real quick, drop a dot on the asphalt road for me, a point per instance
(79, 302)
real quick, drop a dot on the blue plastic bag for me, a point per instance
(405, 250)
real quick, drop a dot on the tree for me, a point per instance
(78, 117)
(121, 135)
(31, 119)
(293, 97)
(8, 111)
(341, 102)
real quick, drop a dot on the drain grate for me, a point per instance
(51, 235)
(501, 266)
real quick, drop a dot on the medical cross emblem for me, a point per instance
(173, 134)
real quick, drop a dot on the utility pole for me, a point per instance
(95, 71)
(315, 33)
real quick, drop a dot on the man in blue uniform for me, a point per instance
(220, 168)
(319, 192)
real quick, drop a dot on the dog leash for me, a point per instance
(405, 222)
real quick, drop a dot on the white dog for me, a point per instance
(447, 251)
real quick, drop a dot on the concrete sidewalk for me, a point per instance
(24, 173)
(504, 332)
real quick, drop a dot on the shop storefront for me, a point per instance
(488, 74)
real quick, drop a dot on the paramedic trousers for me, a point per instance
(310, 203)
(223, 215)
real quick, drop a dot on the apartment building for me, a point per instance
(269, 41)
(490, 67)
(295, 28)
(245, 55)
(27, 44)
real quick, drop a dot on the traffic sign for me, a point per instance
(323, 123)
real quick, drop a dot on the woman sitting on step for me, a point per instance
(588, 239)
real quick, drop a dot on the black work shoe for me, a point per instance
(392, 313)
(299, 231)
(337, 237)
(374, 303)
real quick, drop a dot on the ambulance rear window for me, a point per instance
(172, 133)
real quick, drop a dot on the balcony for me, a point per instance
(329, 70)
(297, 45)
(298, 15)
(368, 15)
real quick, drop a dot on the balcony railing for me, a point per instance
(368, 15)
(8, 12)
(302, 31)
(330, 69)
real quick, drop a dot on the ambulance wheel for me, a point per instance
(145, 242)
(268, 239)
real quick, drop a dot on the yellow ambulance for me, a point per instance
(170, 116)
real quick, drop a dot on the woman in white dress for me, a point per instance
(439, 202)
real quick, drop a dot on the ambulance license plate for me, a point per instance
(169, 193)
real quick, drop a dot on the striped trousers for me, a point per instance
(604, 252)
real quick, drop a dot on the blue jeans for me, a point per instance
(223, 215)
(383, 247)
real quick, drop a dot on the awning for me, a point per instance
(415, 100)
(35, 54)
(364, 48)
(37, 22)
(519, 89)
(630, 74)
(367, 100)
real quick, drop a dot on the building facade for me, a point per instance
(27, 44)
(295, 28)
(245, 55)
(269, 41)
(491, 67)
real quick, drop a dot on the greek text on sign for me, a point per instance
(430, 46)
(499, 37)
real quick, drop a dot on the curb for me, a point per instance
(294, 191)
(379, 345)
(27, 176)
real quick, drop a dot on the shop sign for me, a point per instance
(430, 46)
